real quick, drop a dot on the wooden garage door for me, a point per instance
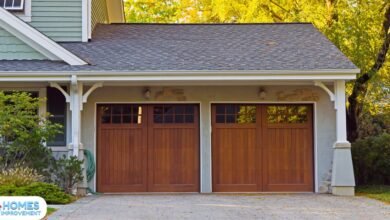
(148, 148)
(262, 148)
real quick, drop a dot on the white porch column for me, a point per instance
(343, 180)
(76, 100)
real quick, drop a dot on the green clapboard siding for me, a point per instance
(99, 13)
(11, 48)
(58, 19)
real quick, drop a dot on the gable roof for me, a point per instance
(297, 47)
(36, 40)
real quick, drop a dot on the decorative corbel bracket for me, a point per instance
(90, 90)
(75, 86)
(332, 96)
(66, 95)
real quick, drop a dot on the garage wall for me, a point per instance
(325, 129)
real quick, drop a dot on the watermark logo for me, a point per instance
(22, 207)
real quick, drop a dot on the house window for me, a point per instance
(235, 114)
(287, 114)
(12, 5)
(20, 8)
(121, 114)
(56, 107)
(168, 114)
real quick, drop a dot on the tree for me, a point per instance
(360, 29)
(361, 85)
(23, 132)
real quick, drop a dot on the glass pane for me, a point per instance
(116, 109)
(17, 3)
(106, 119)
(168, 118)
(231, 109)
(158, 119)
(8, 3)
(180, 109)
(287, 114)
(230, 118)
(105, 110)
(127, 119)
(179, 118)
(127, 109)
(168, 110)
(220, 109)
(220, 119)
(116, 119)
(189, 119)
(190, 109)
(137, 119)
(158, 110)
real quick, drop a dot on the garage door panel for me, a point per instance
(235, 165)
(121, 165)
(174, 148)
(151, 148)
(288, 151)
(234, 140)
(269, 149)
(172, 154)
(288, 148)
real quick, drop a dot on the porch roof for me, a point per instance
(198, 47)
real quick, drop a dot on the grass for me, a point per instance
(50, 211)
(378, 192)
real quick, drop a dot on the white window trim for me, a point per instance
(25, 15)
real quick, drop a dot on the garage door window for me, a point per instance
(170, 114)
(121, 114)
(235, 114)
(284, 114)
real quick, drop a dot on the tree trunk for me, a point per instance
(356, 99)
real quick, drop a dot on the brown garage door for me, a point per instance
(262, 148)
(148, 148)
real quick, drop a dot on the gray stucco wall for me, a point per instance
(325, 130)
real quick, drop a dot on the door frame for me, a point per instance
(95, 127)
(315, 149)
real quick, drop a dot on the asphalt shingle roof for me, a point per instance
(157, 47)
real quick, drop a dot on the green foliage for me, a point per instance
(67, 172)
(379, 192)
(371, 158)
(23, 132)
(50, 192)
(19, 176)
(354, 26)
(50, 211)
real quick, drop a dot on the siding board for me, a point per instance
(99, 13)
(11, 48)
(59, 20)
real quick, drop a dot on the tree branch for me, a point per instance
(360, 86)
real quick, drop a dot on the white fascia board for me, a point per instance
(213, 78)
(308, 74)
(36, 39)
(168, 76)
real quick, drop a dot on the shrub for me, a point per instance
(371, 157)
(23, 132)
(19, 176)
(50, 192)
(67, 172)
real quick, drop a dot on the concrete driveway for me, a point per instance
(223, 206)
